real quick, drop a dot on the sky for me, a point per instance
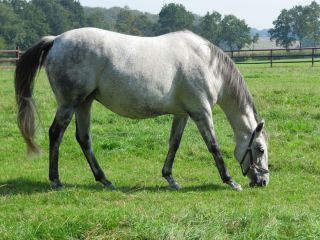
(257, 13)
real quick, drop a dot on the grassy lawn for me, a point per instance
(132, 154)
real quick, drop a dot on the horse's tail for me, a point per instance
(25, 73)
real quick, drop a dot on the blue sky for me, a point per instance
(257, 13)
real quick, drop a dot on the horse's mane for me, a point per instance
(235, 84)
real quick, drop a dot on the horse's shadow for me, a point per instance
(27, 186)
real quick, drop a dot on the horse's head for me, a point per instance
(253, 157)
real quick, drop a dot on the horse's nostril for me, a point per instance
(263, 183)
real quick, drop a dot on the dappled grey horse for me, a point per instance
(141, 77)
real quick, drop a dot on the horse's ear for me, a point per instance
(260, 127)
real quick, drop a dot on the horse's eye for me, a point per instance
(260, 149)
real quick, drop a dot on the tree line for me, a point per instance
(22, 23)
(299, 24)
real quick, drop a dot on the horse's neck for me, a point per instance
(243, 122)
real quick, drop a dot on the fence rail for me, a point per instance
(275, 56)
(8, 58)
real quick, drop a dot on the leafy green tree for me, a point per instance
(255, 39)
(76, 17)
(313, 22)
(234, 32)
(210, 27)
(34, 25)
(97, 19)
(25, 23)
(299, 25)
(62, 15)
(129, 23)
(56, 15)
(2, 43)
(282, 31)
(243, 35)
(143, 24)
(124, 23)
(10, 30)
(174, 17)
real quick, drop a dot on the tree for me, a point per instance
(313, 22)
(124, 22)
(34, 25)
(96, 19)
(235, 32)
(299, 25)
(128, 22)
(143, 25)
(61, 15)
(2, 43)
(56, 16)
(210, 27)
(242, 34)
(23, 23)
(174, 17)
(75, 11)
(255, 39)
(282, 31)
(10, 30)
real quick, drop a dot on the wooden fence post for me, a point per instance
(312, 56)
(271, 57)
(17, 54)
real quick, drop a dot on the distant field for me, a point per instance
(265, 43)
(132, 154)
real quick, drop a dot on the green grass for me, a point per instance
(132, 154)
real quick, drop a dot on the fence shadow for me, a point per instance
(29, 187)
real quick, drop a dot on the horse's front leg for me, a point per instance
(178, 125)
(204, 123)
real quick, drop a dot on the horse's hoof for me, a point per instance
(235, 186)
(110, 186)
(175, 186)
(172, 183)
(57, 185)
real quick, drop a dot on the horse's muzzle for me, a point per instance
(259, 181)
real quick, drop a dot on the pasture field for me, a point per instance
(132, 153)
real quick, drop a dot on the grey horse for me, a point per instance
(178, 73)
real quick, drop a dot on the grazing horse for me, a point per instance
(178, 73)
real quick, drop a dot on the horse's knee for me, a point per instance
(60, 123)
(215, 150)
(54, 131)
(83, 140)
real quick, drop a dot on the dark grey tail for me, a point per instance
(26, 71)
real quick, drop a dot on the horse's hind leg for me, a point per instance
(204, 123)
(83, 121)
(57, 129)
(178, 125)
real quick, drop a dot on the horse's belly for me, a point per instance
(133, 104)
